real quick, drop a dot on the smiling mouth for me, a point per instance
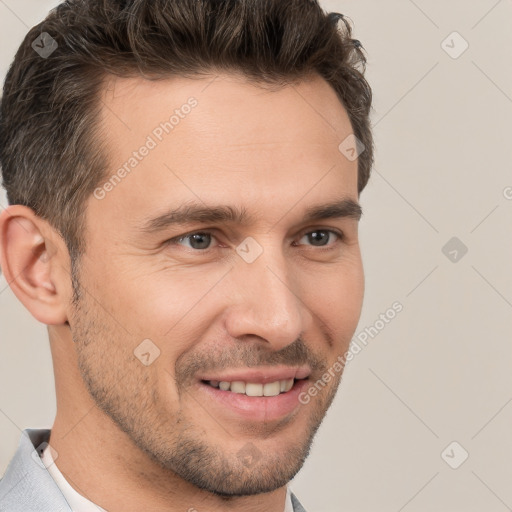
(254, 389)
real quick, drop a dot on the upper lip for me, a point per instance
(260, 375)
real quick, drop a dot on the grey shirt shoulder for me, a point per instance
(27, 486)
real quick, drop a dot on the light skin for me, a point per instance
(131, 436)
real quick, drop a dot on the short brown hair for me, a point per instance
(50, 146)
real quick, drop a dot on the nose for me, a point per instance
(265, 302)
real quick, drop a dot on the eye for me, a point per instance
(321, 237)
(199, 241)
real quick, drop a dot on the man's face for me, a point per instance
(268, 298)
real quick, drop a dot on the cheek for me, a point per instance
(160, 303)
(338, 302)
(176, 312)
(182, 304)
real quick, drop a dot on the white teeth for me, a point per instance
(238, 386)
(289, 385)
(224, 385)
(272, 389)
(254, 389)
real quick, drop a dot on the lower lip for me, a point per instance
(257, 408)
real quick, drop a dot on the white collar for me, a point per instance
(76, 501)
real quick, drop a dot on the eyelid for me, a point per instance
(320, 228)
(179, 238)
(337, 232)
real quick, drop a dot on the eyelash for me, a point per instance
(176, 240)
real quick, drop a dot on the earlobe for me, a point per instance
(31, 263)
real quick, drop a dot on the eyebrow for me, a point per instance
(192, 212)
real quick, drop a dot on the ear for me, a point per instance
(35, 262)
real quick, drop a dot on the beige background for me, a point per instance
(440, 371)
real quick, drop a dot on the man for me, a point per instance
(183, 180)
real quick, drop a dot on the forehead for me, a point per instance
(225, 100)
(221, 138)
